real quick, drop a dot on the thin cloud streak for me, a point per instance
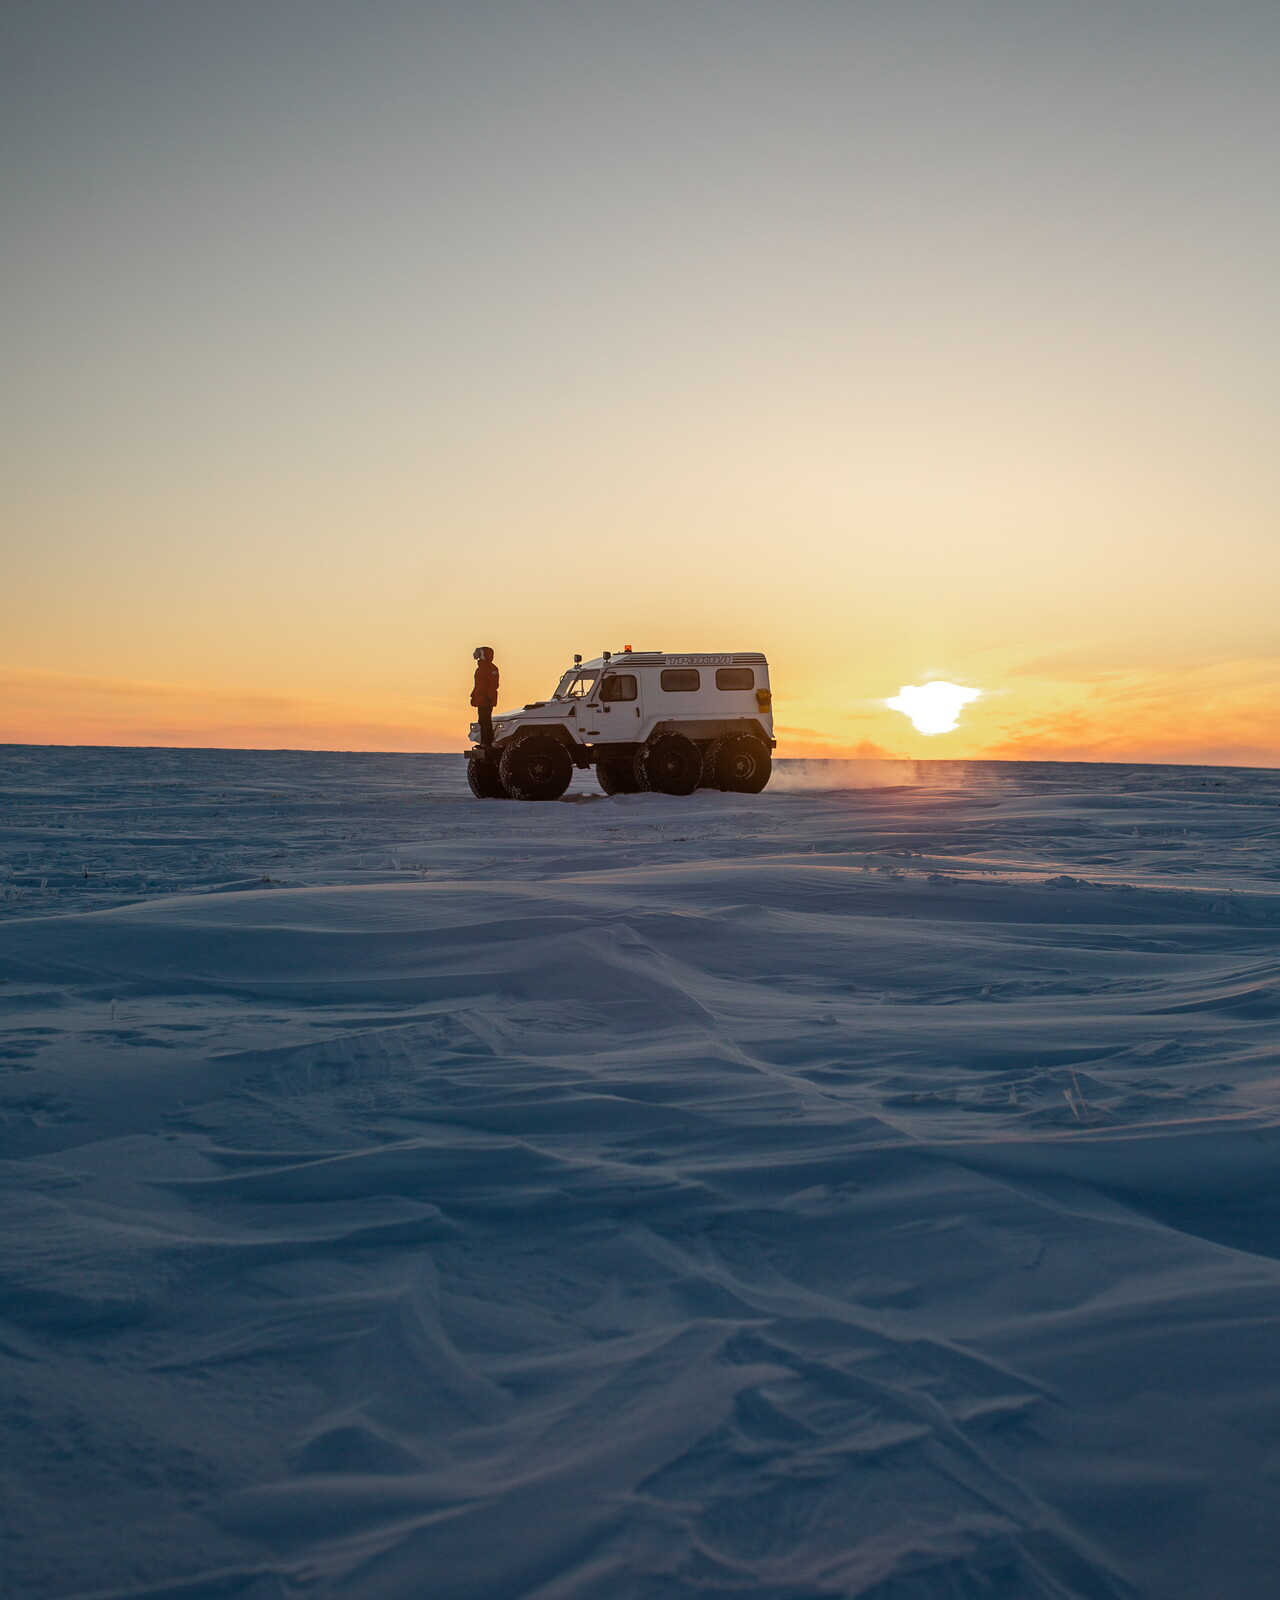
(1215, 712)
(63, 708)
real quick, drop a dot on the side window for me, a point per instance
(735, 678)
(619, 686)
(681, 680)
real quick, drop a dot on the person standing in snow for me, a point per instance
(485, 694)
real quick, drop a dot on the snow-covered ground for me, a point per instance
(832, 1192)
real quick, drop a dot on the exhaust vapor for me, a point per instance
(854, 772)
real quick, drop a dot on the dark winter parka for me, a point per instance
(485, 692)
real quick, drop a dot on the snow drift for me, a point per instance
(795, 1195)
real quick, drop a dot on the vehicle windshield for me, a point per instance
(576, 685)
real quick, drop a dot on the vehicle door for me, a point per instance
(619, 709)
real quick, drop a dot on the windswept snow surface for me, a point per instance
(865, 1192)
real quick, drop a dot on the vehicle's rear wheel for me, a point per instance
(617, 775)
(739, 763)
(484, 779)
(669, 764)
(538, 768)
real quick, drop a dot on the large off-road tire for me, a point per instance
(617, 775)
(536, 768)
(484, 779)
(739, 763)
(669, 764)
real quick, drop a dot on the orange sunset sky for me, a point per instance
(900, 342)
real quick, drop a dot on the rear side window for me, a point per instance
(619, 686)
(681, 680)
(735, 678)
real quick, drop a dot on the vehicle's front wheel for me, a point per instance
(739, 763)
(538, 768)
(670, 764)
(484, 779)
(617, 775)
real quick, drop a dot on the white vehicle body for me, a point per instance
(616, 711)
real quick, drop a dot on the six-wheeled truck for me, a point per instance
(643, 720)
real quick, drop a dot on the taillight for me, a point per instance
(764, 698)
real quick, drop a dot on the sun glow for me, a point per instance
(932, 707)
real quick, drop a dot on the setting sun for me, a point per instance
(932, 707)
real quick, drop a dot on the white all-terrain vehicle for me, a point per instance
(644, 720)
